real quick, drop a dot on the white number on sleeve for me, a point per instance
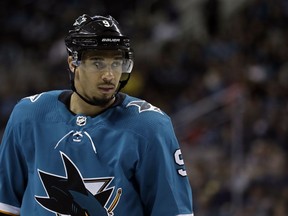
(179, 160)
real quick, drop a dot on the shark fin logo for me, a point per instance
(80, 20)
(75, 196)
(34, 98)
(144, 106)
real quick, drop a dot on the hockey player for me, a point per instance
(93, 150)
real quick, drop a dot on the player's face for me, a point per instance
(97, 77)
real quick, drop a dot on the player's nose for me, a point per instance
(108, 74)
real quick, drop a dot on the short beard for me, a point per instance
(95, 101)
(100, 102)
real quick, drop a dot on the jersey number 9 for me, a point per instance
(179, 160)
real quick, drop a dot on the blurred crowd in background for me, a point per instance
(219, 68)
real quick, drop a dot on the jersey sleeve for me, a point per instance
(13, 171)
(163, 182)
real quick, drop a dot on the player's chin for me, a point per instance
(102, 101)
(106, 96)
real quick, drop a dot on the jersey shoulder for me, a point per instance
(142, 109)
(139, 113)
(36, 106)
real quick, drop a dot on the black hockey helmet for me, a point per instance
(100, 33)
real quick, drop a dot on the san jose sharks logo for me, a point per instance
(76, 196)
(144, 106)
(80, 20)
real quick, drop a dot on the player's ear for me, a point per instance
(71, 63)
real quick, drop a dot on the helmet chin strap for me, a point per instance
(92, 102)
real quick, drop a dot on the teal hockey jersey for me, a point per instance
(125, 161)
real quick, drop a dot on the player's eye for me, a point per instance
(117, 64)
(99, 65)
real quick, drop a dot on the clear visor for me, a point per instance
(100, 60)
(127, 66)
